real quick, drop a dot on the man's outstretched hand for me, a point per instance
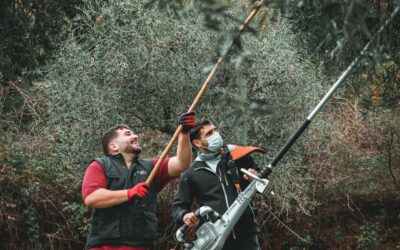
(140, 190)
(187, 121)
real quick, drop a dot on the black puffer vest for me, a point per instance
(130, 223)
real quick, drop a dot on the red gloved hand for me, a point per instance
(139, 190)
(187, 121)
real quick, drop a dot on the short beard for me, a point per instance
(135, 150)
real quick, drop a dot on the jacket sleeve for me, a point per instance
(183, 199)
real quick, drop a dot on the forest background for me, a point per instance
(71, 69)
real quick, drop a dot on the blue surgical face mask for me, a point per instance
(214, 142)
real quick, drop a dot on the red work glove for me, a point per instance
(139, 190)
(187, 121)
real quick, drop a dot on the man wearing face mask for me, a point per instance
(214, 180)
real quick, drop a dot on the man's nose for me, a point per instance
(135, 137)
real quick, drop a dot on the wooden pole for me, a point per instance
(201, 93)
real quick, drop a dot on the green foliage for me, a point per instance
(31, 30)
(31, 218)
(34, 30)
(31, 194)
(118, 70)
(331, 29)
(77, 216)
(370, 237)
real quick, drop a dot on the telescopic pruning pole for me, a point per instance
(201, 93)
(267, 170)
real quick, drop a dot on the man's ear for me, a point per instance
(197, 143)
(113, 146)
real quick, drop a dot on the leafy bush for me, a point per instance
(370, 237)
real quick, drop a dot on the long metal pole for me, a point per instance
(201, 93)
(267, 170)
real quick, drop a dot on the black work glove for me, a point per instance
(187, 121)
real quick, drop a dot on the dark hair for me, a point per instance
(109, 135)
(194, 133)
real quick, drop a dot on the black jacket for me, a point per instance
(215, 190)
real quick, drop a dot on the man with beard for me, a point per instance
(123, 205)
(214, 180)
